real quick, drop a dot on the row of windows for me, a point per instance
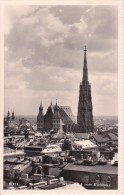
(66, 115)
(55, 126)
(94, 180)
(56, 121)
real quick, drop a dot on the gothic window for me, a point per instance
(86, 179)
(97, 179)
(108, 180)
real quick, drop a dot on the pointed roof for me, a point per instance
(56, 106)
(41, 107)
(66, 114)
(85, 70)
(13, 114)
(56, 114)
(8, 114)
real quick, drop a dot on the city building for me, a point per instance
(85, 115)
(92, 177)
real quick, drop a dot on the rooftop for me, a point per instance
(86, 144)
(100, 139)
(106, 169)
(112, 136)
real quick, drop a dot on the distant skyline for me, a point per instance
(44, 51)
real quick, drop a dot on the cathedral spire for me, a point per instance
(85, 114)
(40, 107)
(85, 70)
(8, 114)
(13, 116)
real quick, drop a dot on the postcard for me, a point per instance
(61, 97)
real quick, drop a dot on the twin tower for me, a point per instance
(85, 114)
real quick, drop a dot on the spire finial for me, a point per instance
(85, 49)
(51, 103)
(56, 102)
(13, 112)
(41, 103)
(13, 115)
(85, 70)
(8, 111)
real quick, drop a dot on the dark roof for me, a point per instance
(112, 136)
(66, 114)
(107, 169)
(100, 138)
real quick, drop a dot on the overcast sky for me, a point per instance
(44, 56)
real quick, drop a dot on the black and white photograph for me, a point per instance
(61, 97)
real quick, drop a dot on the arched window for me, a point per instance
(39, 170)
(108, 180)
(97, 179)
(86, 179)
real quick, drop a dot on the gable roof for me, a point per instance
(113, 136)
(100, 139)
(66, 114)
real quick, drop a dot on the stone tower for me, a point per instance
(85, 115)
(40, 119)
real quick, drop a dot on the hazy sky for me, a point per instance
(44, 56)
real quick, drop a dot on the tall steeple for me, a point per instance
(56, 102)
(40, 118)
(8, 115)
(85, 115)
(85, 70)
(56, 109)
(13, 116)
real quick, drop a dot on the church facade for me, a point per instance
(9, 121)
(56, 118)
(85, 122)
